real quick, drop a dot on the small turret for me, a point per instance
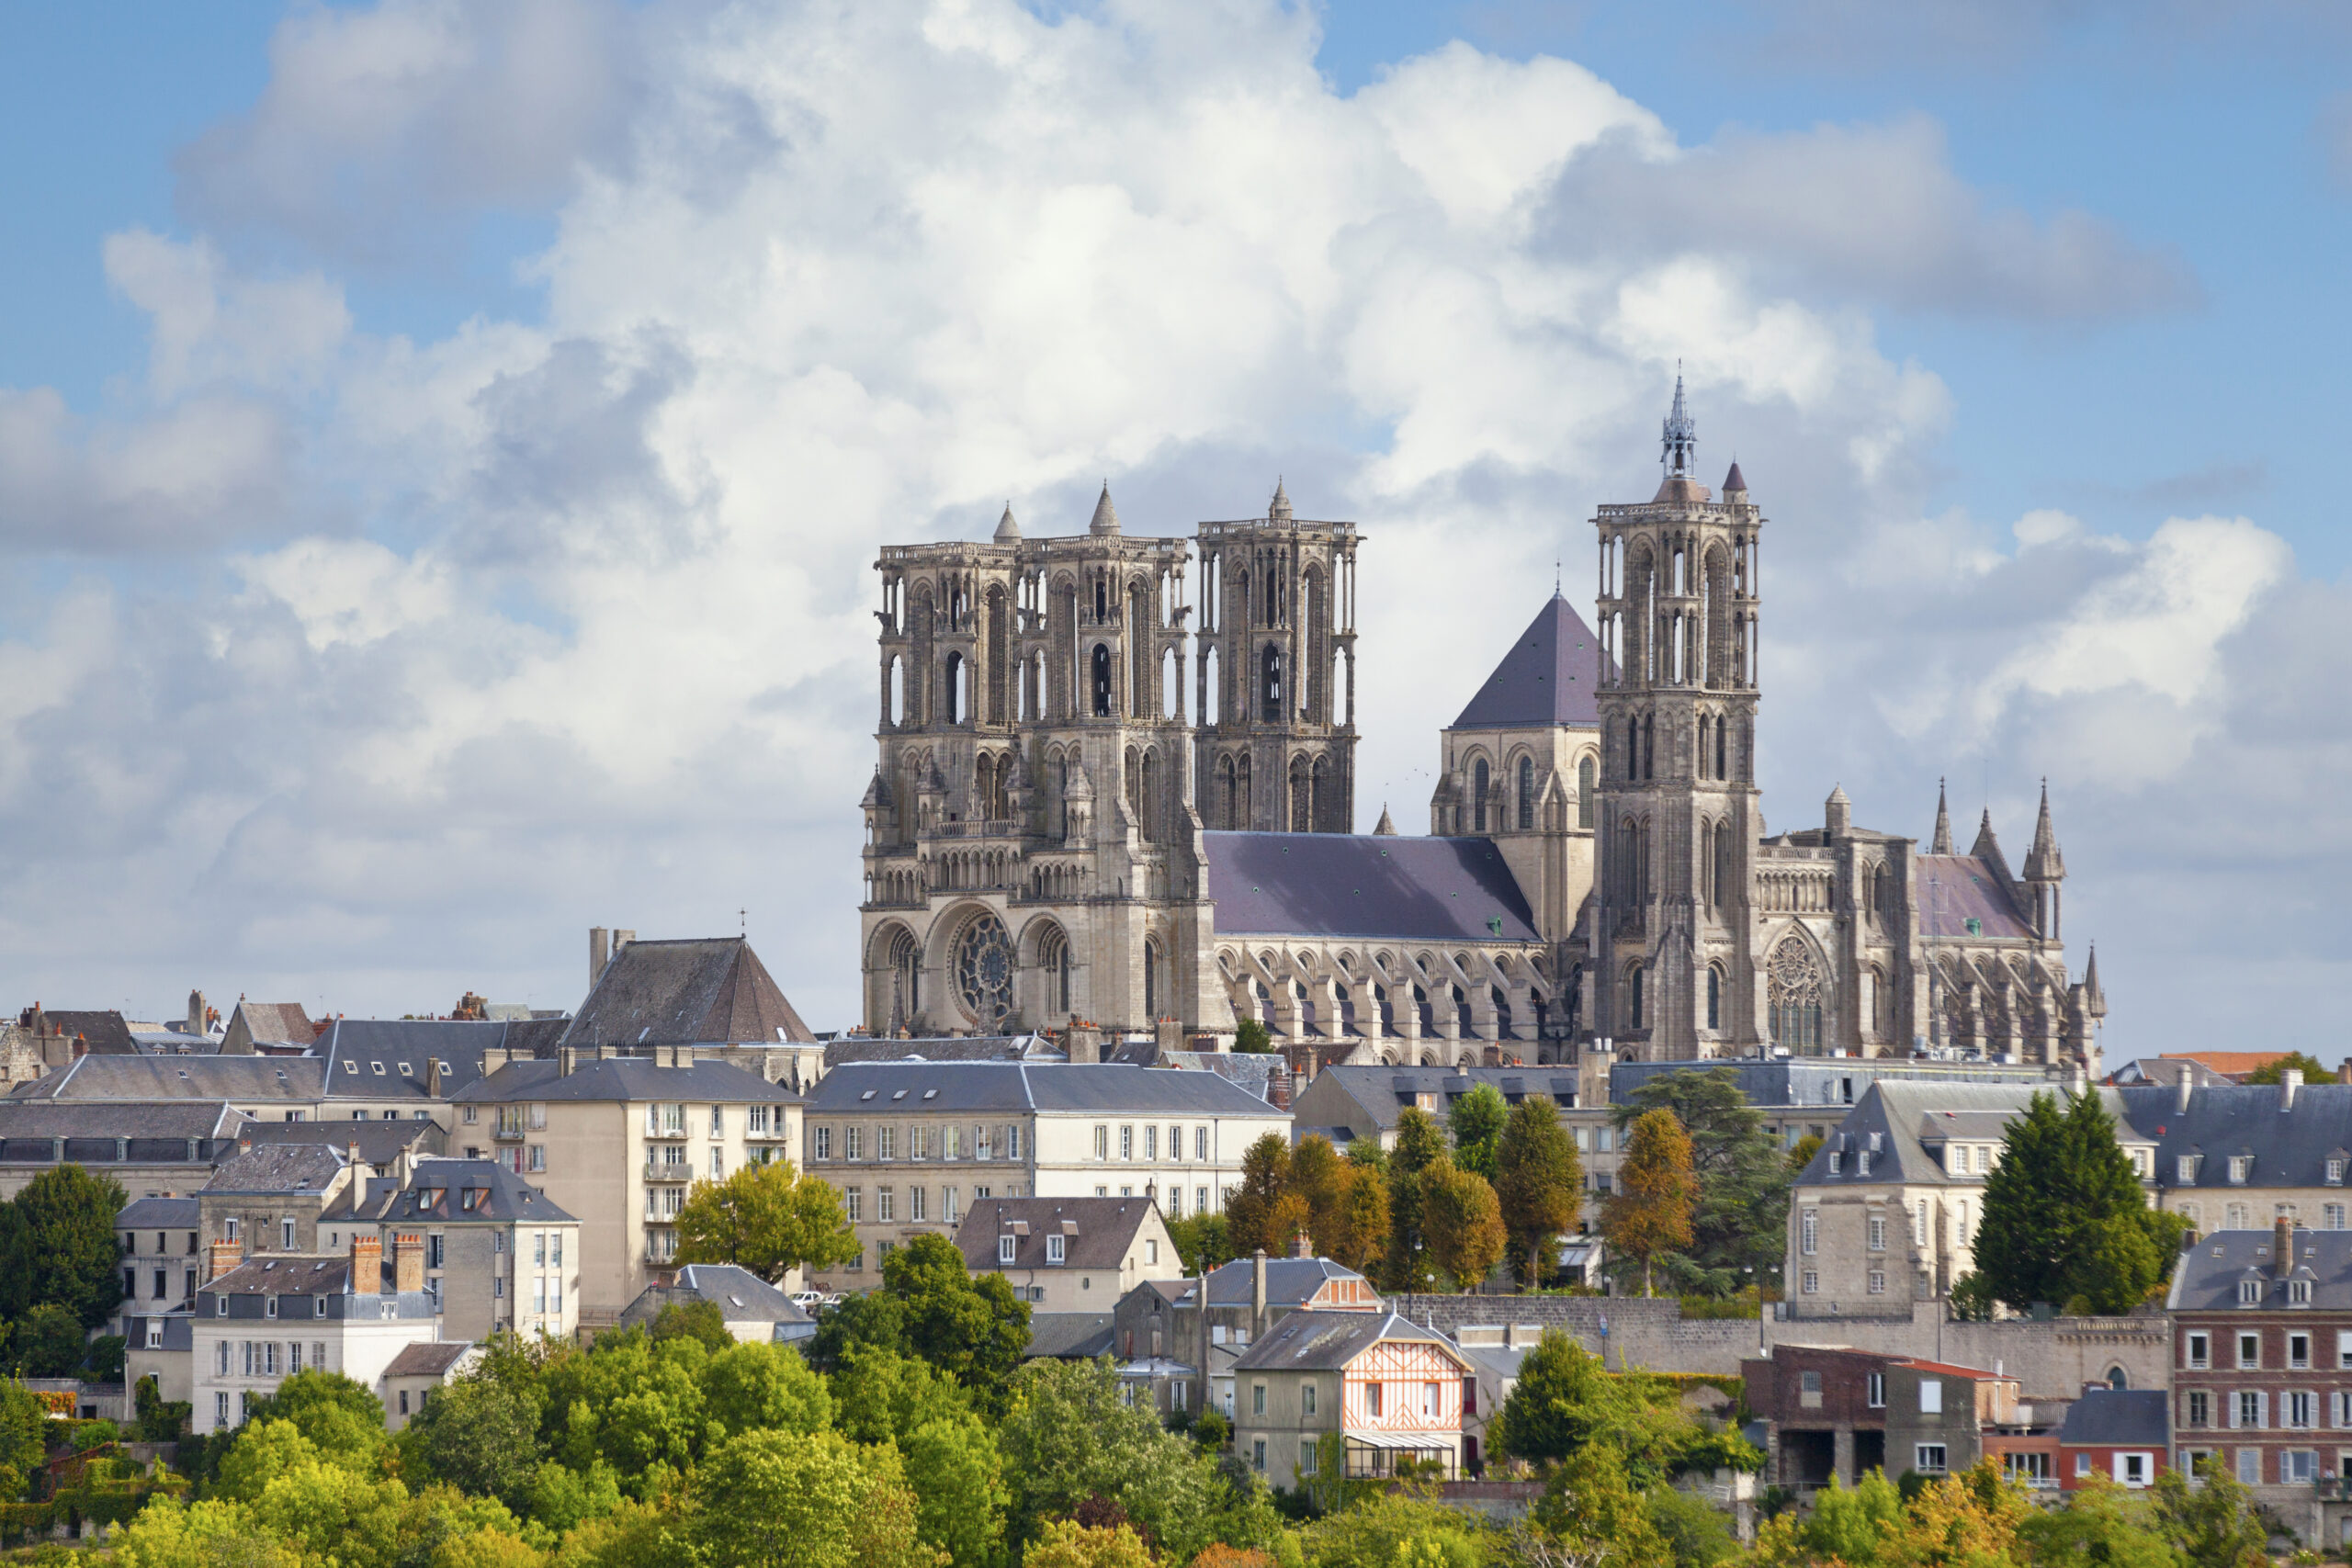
(1941, 843)
(1279, 509)
(1735, 485)
(2043, 862)
(2094, 999)
(1008, 531)
(1106, 516)
(1385, 828)
(1837, 813)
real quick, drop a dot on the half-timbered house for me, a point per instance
(1389, 1389)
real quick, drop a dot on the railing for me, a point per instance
(662, 1171)
(2333, 1488)
(1007, 828)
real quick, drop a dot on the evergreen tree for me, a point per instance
(2064, 1219)
(57, 1244)
(1539, 1181)
(1476, 1122)
(1739, 1225)
(1421, 1143)
(1649, 1216)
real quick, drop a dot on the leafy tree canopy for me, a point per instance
(1539, 1181)
(2308, 1065)
(1649, 1217)
(1739, 1223)
(58, 1247)
(767, 1218)
(2064, 1218)
(1476, 1121)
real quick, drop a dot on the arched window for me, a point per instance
(1526, 793)
(1796, 990)
(906, 981)
(1478, 796)
(1302, 799)
(1719, 750)
(1715, 997)
(1724, 867)
(1703, 745)
(1151, 979)
(1584, 793)
(1270, 684)
(1649, 745)
(1053, 962)
(1633, 746)
(1102, 680)
(952, 692)
(1634, 992)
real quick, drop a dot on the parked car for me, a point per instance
(807, 1301)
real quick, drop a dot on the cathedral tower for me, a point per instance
(1668, 966)
(1276, 688)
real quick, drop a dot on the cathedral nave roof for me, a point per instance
(1345, 885)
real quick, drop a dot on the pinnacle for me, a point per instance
(1106, 516)
(1006, 530)
(1386, 828)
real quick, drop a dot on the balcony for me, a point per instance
(508, 1132)
(662, 1171)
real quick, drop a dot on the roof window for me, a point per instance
(379, 1067)
(930, 1094)
(899, 1094)
(867, 1095)
(349, 1066)
(404, 1072)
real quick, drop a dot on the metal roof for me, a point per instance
(1326, 1341)
(2206, 1277)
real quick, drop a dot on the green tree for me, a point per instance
(2064, 1218)
(1649, 1215)
(1693, 1529)
(1361, 1229)
(2298, 1061)
(1073, 1435)
(481, 1437)
(1739, 1223)
(1463, 1221)
(957, 1474)
(1801, 1153)
(1564, 1401)
(1257, 1209)
(24, 1438)
(2101, 1523)
(1591, 1507)
(57, 1246)
(1252, 1038)
(168, 1533)
(1065, 1543)
(2213, 1524)
(972, 1329)
(779, 1500)
(767, 1218)
(747, 1387)
(699, 1321)
(1539, 1181)
(1202, 1241)
(1395, 1529)
(1476, 1122)
(882, 1396)
(1420, 1142)
(342, 1420)
(47, 1342)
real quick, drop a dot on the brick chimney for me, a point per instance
(2282, 1247)
(1278, 1085)
(408, 1262)
(1258, 1295)
(366, 1265)
(1301, 1246)
(224, 1256)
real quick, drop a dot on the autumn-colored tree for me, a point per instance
(1650, 1214)
(767, 1218)
(1250, 1217)
(1462, 1222)
(1363, 1230)
(1539, 1181)
(1421, 1143)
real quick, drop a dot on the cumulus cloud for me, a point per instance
(571, 625)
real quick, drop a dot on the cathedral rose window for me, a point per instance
(984, 971)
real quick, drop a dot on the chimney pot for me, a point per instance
(366, 1265)
(1258, 1295)
(2290, 1081)
(2181, 1091)
(225, 1256)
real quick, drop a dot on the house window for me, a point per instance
(1126, 1143)
(1257, 1399)
(1919, 1225)
(1258, 1454)
(2185, 1170)
(539, 1158)
(2298, 1467)
(885, 1142)
(2298, 1407)
(2299, 1350)
(1432, 1402)
(1878, 1233)
(854, 1204)
(2299, 1292)
(1151, 1144)
(1307, 1399)
(2082, 1466)
(1004, 1244)
(853, 1140)
(2335, 1173)
(1929, 1458)
(1151, 1252)
(1054, 1248)
(2199, 1409)
(915, 1200)
(1877, 1391)
(1878, 1282)
(1809, 1232)
(1812, 1282)
(1201, 1145)
(1307, 1455)
(2200, 1350)
(1372, 1398)
(2250, 1292)
(885, 1205)
(2249, 1349)
(718, 1121)
(1932, 1396)
(2332, 1215)
(1837, 1162)
(2241, 1166)
(820, 1144)
(2250, 1467)
(2249, 1408)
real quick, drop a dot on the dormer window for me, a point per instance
(2185, 1170)
(1836, 1163)
(351, 1066)
(2250, 1292)
(1862, 1163)
(2241, 1166)
(404, 1072)
(1004, 1244)
(379, 1067)
(2299, 1292)
(1054, 1248)
(2335, 1173)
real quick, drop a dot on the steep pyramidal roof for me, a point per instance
(1549, 676)
(2043, 862)
(1735, 480)
(1386, 828)
(1941, 843)
(708, 992)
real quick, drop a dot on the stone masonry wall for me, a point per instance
(2055, 1357)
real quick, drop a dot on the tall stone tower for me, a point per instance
(1668, 964)
(1277, 681)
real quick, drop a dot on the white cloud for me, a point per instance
(565, 621)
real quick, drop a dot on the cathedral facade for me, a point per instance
(1052, 840)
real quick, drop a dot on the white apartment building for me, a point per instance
(912, 1144)
(262, 1321)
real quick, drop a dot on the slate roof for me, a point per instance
(740, 1296)
(428, 1359)
(1904, 1117)
(1097, 1232)
(619, 1078)
(439, 1192)
(275, 1023)
(54, 1119)
(278, 1168)
(284, 1273)
(1954, 889)
(365, 1055)
(2230, 1063)
(1386, 1092)
(157, 1215)
(1821, 1082)
(2291, 1147)
(133, 1079)
(380, 1142)
(2206, 1277)
(1290, 1282)
(1548, 676)
(1069, 1335)
(971, 1048)
(1371, 885)
(106, 1033)
(885, 1086)
(1326, 1341)
(705, 992)
(2118, 1418)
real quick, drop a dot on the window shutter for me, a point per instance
(2262, 1409)
(2233, 1401)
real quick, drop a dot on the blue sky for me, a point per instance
(375, 413)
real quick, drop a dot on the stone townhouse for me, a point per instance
(2239, 1156)
(262, 1321)
(1886, 1212)
(1246, 1296)
(1390, 1389)
(500, 1256)
(617, 1143)
(162, 1259)
(2262, 1374)
(149, 1149)
(912, 1144)
(268, 1197)
(1068, 1254)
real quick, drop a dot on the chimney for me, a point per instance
(1171, 1036)
(1301, 1247)
(2282, 1247)
(1257, 1294)
(621, 939)
(433, 1077)
(563, 1061)
(366, 1265)
(408, 1262)
(1278, 1085)
(600, 950)
(196, 1012)
(2180, 1093)
(1085, 1044)
(2290, 1081)
(226, 1255)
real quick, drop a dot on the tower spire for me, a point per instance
(1681, 436)
(1941, 843)
(2043, 862)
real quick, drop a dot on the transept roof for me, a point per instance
(1549, 676)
